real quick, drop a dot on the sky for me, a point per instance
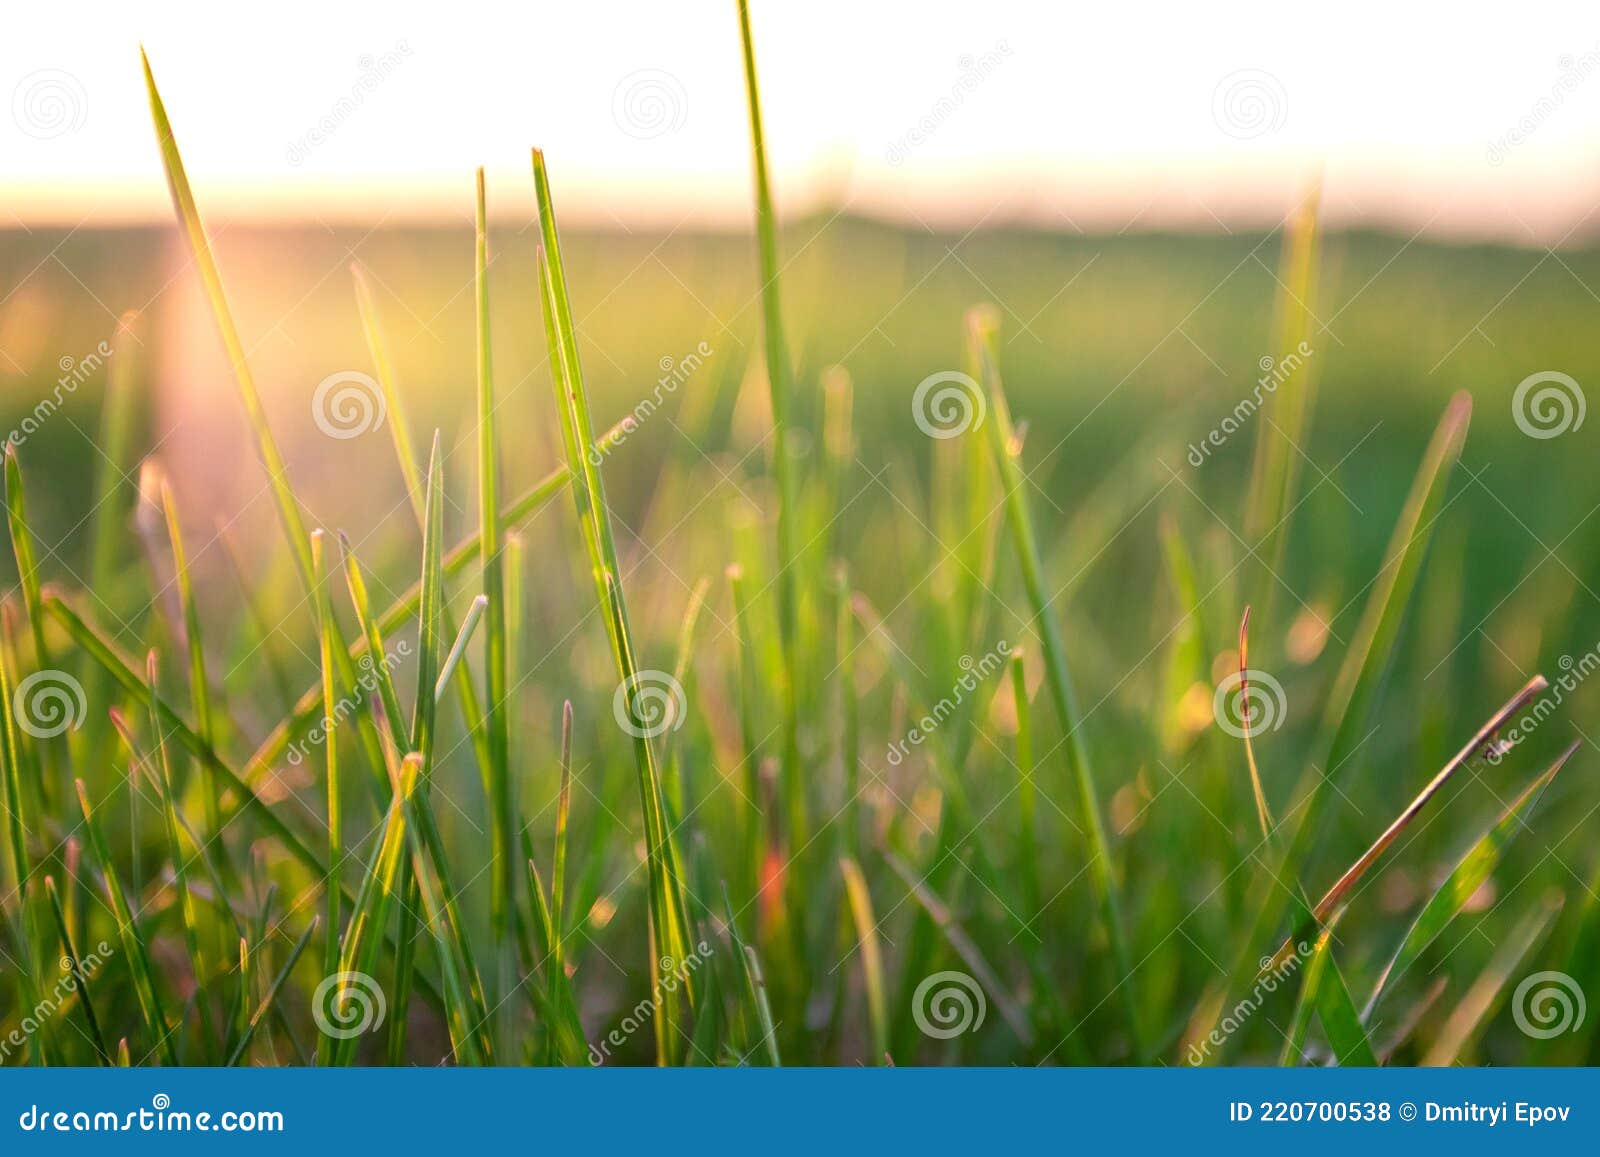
(1080, 116)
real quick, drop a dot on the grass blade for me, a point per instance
(1007, 452)
(1450, 898)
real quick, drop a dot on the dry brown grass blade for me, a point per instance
(1341, 887)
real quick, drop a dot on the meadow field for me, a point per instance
(869, 696)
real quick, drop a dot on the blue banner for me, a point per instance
(797, 1110)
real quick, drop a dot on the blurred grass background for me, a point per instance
(1118, 351)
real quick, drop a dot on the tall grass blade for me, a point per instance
(1007, 450)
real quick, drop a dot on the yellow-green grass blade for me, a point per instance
(28, 576)
(422, 729)
(860, 897)
(558, 869)
(502, 805)
(199, 687)
(1026, 788)
(133, 941)
(683, 676)
(849, 709)
(965, 947)
(118, 421)
(387, 694)
(1481, 1000)
(75, 964)
(1366, 663)
(106, 655)
(1280, 435)
(186, 899)
(780, 388)
(1333, 898)
(369, 916)
(668, 910)
(199, 244)
(755, 990)
(1323, 993)
(466, 1009)
(19, 809)
(755, 822)
(330, 749)
(287, 505)
(559, 1003)
(416, 488)
(1007, 451)
(1189, 661)
(118, 668)
(270, 999)
(1470, 873)
(308, 708)
(458, 649)
(1263, 812)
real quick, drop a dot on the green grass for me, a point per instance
(439, 760)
